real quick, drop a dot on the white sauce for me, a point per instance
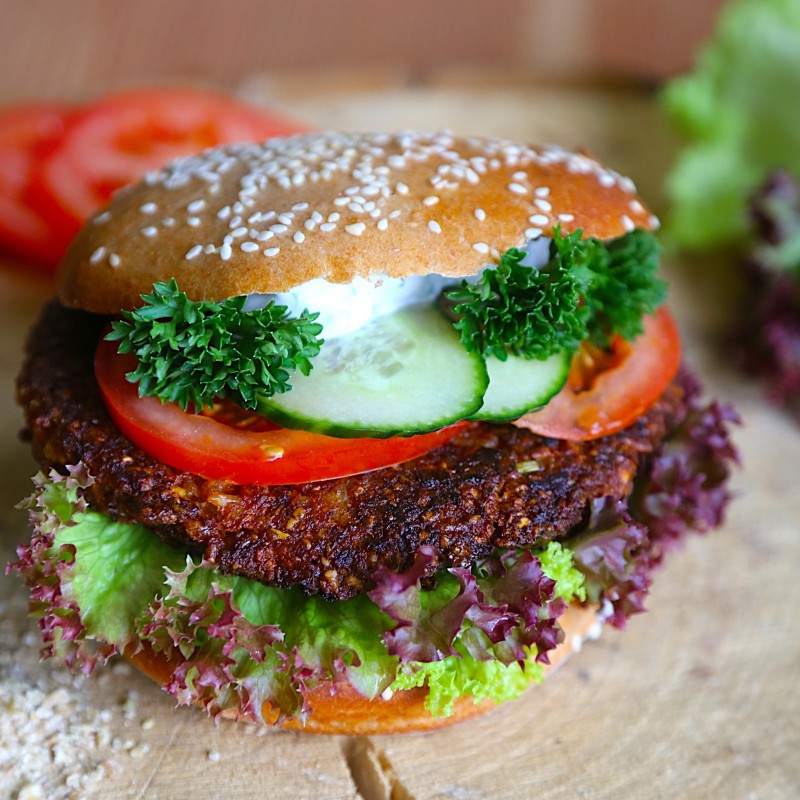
(346, 307)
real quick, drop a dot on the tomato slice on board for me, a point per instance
(262, 453)
(116, 140)
(27, 133)
(597, 402)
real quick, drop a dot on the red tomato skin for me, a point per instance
(28, 133)
(620, 395)
(203, 446)
(117, 139)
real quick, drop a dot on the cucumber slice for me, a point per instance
(518, 385)
(401, 374)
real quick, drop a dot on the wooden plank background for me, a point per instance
(80, 48)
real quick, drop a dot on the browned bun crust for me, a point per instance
(348, 712)
(336, 206)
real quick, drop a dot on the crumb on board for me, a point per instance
(53, 746)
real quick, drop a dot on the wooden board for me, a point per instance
(698, 698)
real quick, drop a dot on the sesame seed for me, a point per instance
(150, 231)
(299, 237)
(517, 188)
(481, 247)
(520, 176)
(566, 217)
(383, 224)
(539, 219)
(532, 233)
(542, 191)
(434, 226)
(272, 251)
(239, 232)
(356, 229)
(542, 204)
(285, 219)
(341, 201)
(193, 221)
(278, 228)
(480, 214)
(194, 252)
(248, 247)
(209, 249)
(97, 255)
(226, 251)
(356, 208)
(335, 217)
(395, 214)
(264, 236)
(224, 212)
(606, 180)
(299, 206)
(148, 208)
(102, 218)
(309, 224)
(195, 206)
(627, 222)
(114, 260)
(431, 200)
(471, 176)
(402, 188)
(327, 227)
(655, 222)
(636, 207)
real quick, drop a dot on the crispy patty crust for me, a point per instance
(465, 499)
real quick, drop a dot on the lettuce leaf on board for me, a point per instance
(739, 112)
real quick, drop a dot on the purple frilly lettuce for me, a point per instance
(767, 339)
(237, 645)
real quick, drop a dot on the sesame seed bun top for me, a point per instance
(267, 217)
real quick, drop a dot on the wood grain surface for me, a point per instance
(698, 698)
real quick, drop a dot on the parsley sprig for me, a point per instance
(589, 290)
(190, 352)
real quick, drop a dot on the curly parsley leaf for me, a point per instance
(519, 310)
(190, 352)
(588, 290)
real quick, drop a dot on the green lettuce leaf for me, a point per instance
(116, 572)
(99, 586)
(452, 678)
(739, 111)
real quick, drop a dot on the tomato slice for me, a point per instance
(116, 140)
(610, 394)
(244, 453)
(27, 132)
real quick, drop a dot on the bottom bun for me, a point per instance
(348, 712)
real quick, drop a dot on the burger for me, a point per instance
(360, 433)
